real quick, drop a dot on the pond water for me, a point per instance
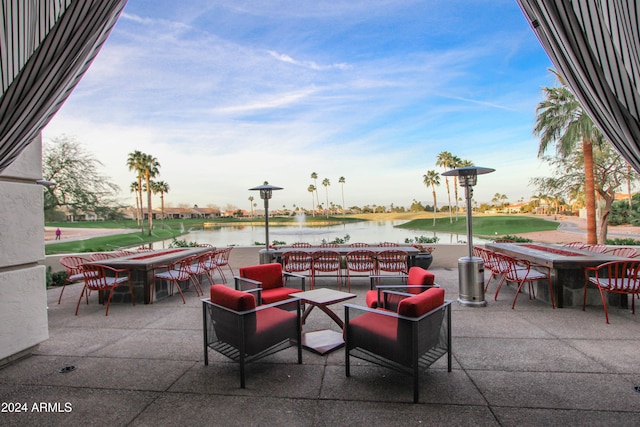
(363, 231)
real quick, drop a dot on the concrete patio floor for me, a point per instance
(143, 365)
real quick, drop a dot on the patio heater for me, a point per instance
(470, 268)
(266, 191)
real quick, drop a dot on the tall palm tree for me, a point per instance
(561, 120)
(134, 162)
(135, 189)
(445, 159)
(311, 189)
(341, 180)
(456, 162)
(326, 184)
(148, 167)
(251, 205)
(162, 188)
(431, 179)
(314, 176)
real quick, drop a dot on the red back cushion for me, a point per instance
(420, 276)
(420, 304)
(232, 299)
(269, 274)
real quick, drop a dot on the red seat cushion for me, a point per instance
(422, 303)
(277, 294)
(270, 275)
(232, 299)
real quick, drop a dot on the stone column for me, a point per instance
(23, 296)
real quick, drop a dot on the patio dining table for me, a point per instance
(142, 267)
(566, 264)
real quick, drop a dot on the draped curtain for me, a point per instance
(45, 48)
(595, 46)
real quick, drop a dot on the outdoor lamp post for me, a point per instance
(470, 268)
(265, 194)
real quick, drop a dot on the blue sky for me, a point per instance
(228, 94)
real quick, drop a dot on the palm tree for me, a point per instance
(251, 204)
(456, 162)
(149, 168)
(341, 180)
(135, 189)
(162, 188)
(314, 176)
(326, 184)
(311, 189)
(561, 120)
(431, 179)
(445, 159)
(134, 162)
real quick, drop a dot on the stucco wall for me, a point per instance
(23, 297)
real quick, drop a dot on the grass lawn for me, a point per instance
(484, 226)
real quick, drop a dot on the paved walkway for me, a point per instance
(143, 366)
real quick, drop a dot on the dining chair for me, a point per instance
(73, 266)
(298, 262)
(301, 245)
(596, 248)
(221, 257)
(388, 244)
(326, 261)
(618, 277)
(101, 256)
(104, 278)
(174, 273)
(521, 271)
(360, 261)
(359, 245)
(623, 252)
(393, 261)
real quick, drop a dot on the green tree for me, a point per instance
(445, 160)
(342, 180)
(79, 184)
(561, 121)
(432, 179)
(251, 205)
(311, 189)
(326, 184)
(134, 162)
(314, 176)
(133, 188)
(162, 188)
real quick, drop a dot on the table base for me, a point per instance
(323, 341)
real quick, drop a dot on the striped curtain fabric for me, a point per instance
(45, 48)
(595, 46)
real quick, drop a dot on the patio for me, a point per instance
(143, 365)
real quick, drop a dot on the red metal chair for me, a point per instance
(360, 261)
(101, 256)
(623, 252)
(298, 262)
(388, 245)
(302, 245)
(393, 261)
(234, 327)
(103, 278)
(521, 271)
(329, 245)
(408, 340)
(575, 245)
(596, 248)
(269, 282)
(73, 267)
(326, 261)
(221, 258)
(359, 245)
(174, 273)
(618, 277)
(122, 252)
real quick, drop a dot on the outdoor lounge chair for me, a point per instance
(235, 327)
(269, 282)
(414, 337)
(418, 280)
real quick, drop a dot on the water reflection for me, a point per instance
(364, 231)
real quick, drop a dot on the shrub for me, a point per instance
(516, 239)
(623, 242)
(55, 279)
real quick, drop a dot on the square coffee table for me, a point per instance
(326, 340)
